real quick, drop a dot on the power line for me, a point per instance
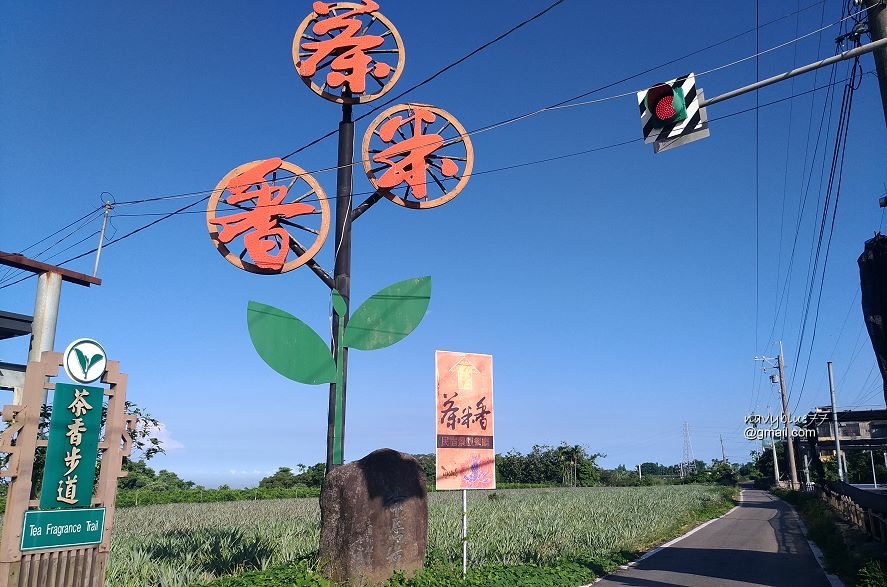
(803, 194)
(12, 273)
(836, 175)
(567, 103)
(561, 104)
(523, 164)
(183, 209)
(433, 76)
(116, 240)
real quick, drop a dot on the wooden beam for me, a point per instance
(21, 262)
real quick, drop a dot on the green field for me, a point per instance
(187, 544)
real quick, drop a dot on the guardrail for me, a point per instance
(861, 508)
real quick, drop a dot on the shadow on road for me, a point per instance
(758, 543)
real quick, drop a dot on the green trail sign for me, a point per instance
(73, 447)
(45, 529)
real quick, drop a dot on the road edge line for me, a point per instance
(834, 580)
(653, 551)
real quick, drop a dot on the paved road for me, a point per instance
(758, 543)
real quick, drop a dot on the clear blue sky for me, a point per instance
(617, 291)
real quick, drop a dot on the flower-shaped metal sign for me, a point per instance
(253, 206)
(417, 156)
(348, 53)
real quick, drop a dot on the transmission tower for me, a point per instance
(688, 459)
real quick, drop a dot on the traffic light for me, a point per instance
(672, 113)
(666, 105)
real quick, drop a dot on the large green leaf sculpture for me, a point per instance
(289, 346)
(294, 350)
(389, 316)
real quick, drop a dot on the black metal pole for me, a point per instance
(335, 439)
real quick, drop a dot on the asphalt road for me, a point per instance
(758, 543)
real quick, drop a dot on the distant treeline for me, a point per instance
(543, 466)
(563, 465)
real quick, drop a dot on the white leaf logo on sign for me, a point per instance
(85, 360)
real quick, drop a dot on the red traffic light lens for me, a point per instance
(660, 100)
(665, 108)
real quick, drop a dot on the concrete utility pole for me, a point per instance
(877, 16)
(807, 470)
(788, 421)
(46, 304)
(723, 452)
(775, 462)
(831, 386)
(874, 478)
(639, 473)
(98, 254)
(46, 313)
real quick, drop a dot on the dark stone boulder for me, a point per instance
(373, 519)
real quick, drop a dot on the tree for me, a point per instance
(428, 462)
(145, 443)
(284, 478)
(311, 476)
(722, 473)
(565, 464)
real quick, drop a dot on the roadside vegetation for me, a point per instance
(849, 553)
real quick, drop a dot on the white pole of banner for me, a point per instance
(464, 532)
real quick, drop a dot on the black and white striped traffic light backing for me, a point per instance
(670, 113)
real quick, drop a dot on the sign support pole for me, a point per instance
(335, 440)
(464, 532)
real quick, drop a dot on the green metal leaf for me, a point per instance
(289, 346)
(339, 303)
(389, 316)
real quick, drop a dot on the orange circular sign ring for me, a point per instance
(300, 260)
(362, 98)
(461, 136)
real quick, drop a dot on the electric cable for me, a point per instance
(836, 176)
(433, 76)
(562, 104)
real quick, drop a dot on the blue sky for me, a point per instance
(620, 293)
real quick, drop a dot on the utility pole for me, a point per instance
(723, 452)
(775, 462)
(831, 386)
(639, 473)
(807, 470)
(108, 207)
(790, 447)
(874, 479)
(46, 305)
(877, 19)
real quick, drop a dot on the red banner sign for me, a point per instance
(466, 458)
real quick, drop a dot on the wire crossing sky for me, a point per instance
(615, 289)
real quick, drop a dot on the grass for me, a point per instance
(516, 537)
